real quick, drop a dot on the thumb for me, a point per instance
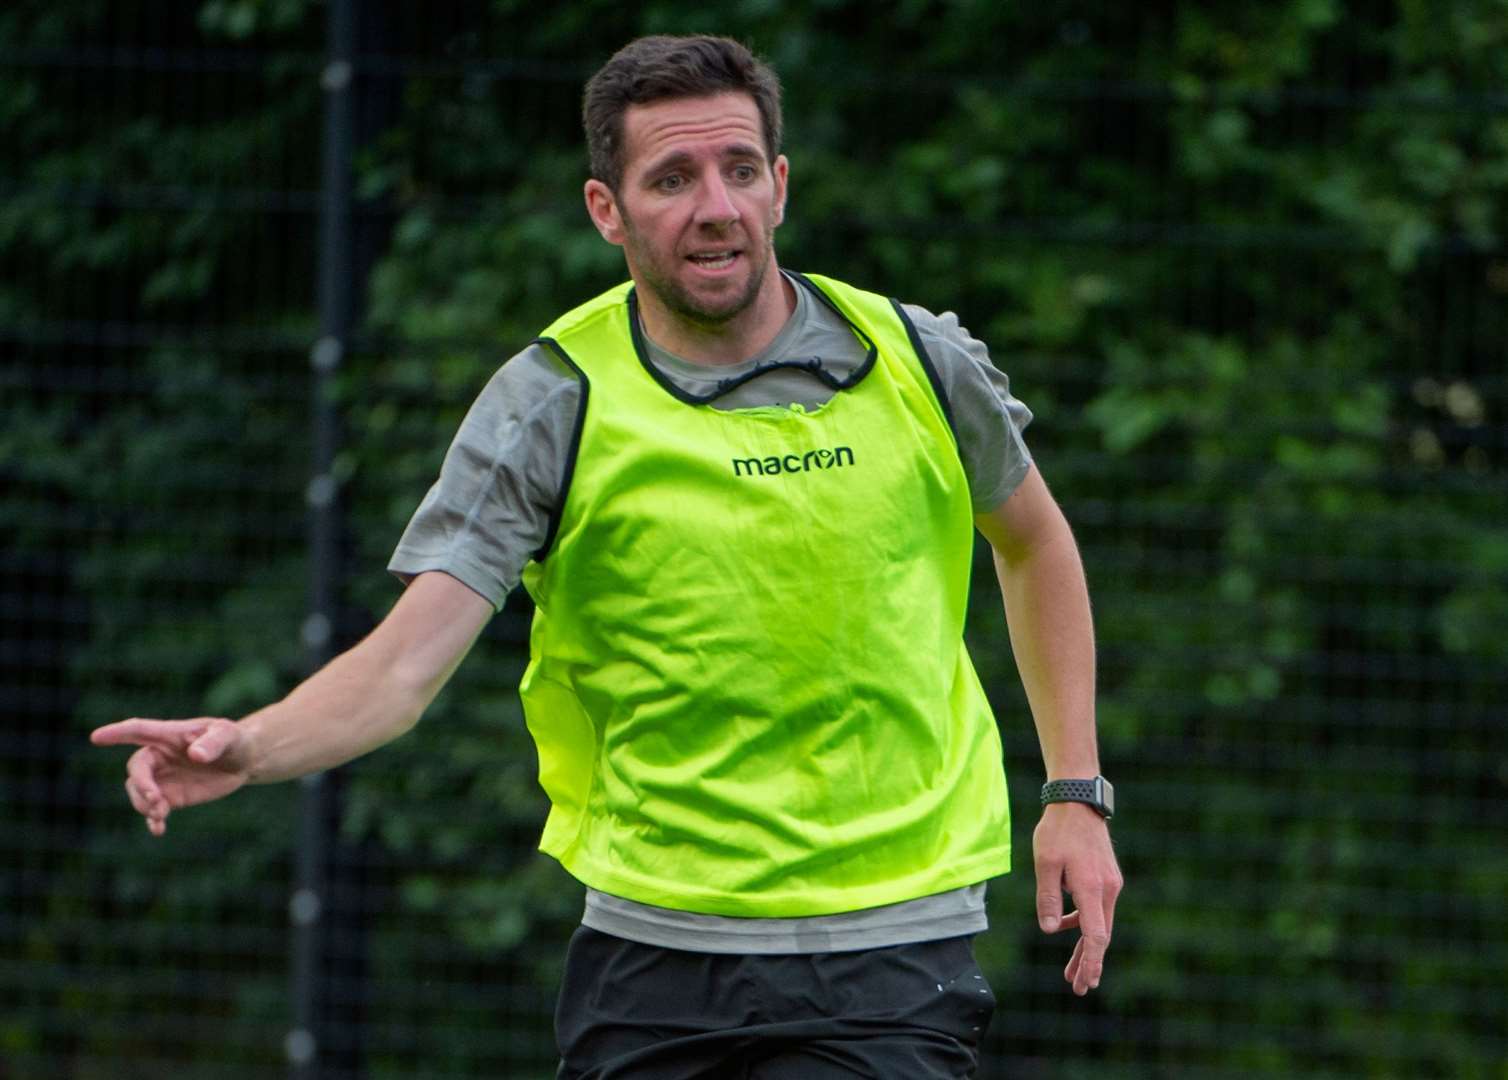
(1049, 909)
(212, 745)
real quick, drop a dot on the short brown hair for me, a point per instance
(665, 66)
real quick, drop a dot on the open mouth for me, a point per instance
(713, 260)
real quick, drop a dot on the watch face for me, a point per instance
(1105, 795)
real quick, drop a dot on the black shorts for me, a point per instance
(638, 1012)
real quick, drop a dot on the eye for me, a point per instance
(745, 174)
(671, 183)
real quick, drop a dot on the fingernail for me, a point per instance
(1049, 923)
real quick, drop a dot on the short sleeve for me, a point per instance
(988, 419)
(489, 510)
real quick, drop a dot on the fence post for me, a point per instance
(306, 1041)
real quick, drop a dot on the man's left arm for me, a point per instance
(1052, 636)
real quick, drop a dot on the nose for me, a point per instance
(715, 207)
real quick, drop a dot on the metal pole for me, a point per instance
(306, 1039)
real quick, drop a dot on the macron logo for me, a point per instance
(776, 464)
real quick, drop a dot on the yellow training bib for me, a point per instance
(748, 685)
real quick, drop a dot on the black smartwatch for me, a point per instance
(1096, 793)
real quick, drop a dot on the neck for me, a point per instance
(728, 342)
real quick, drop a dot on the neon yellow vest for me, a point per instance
(748, 685)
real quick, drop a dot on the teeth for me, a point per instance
(713, 261)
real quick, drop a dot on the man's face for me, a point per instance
(697, 207)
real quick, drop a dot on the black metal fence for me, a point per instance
(255, 260)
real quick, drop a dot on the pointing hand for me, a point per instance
(179, 763)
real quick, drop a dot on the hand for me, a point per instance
(1071, 848)
(180, 763)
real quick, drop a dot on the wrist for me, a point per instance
(249, 754)
(1067, 763)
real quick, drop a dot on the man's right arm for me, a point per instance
(375, 691)
(364, 698)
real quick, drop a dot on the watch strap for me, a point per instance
(1095, 792)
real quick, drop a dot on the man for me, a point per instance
(743, 501)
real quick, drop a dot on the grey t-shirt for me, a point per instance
(489, 511)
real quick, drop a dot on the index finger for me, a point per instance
(1094, 930)
(139, 732)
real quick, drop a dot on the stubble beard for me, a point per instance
(681, 303)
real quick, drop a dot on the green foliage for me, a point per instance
(1239, 259)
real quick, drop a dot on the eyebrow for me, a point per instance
(678, 158)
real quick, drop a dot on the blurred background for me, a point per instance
(1246, 262)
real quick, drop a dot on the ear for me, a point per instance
(781, 171)
(602, 207)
